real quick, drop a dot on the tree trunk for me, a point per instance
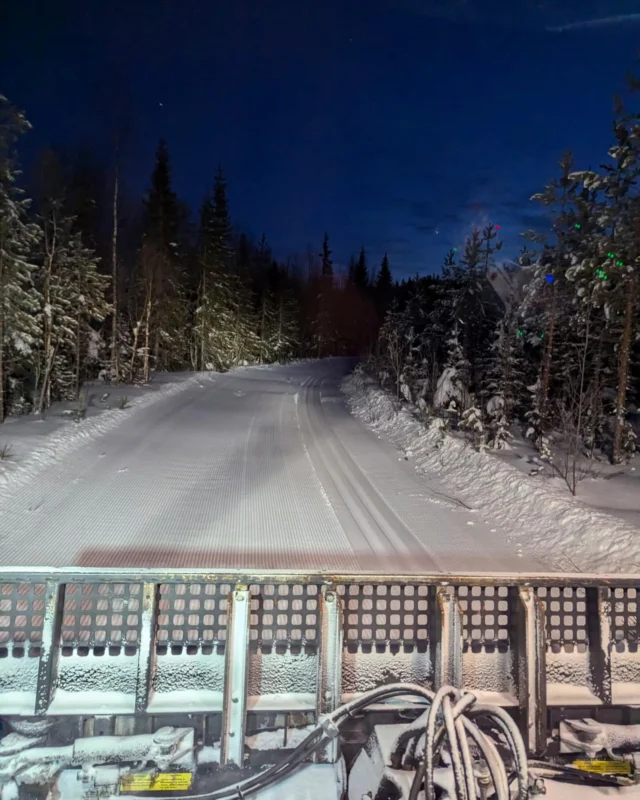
(47, 343)
(134, 350)
(76, 388)
(624, 354)
(3, 410)
(203, 330)
(115, 350)
(146, 372)
(545, 375)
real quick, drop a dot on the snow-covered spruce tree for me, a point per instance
(87, 291)
(546, 305)
(452, 393)
(504, 388)
(619, 256)
(473, 304)
(18, 240)
(73, 295)
(214, 317)
(162, 308)
(416, 377)
(471, 420)
(397, 340)
(244, 343)
(278, 329)
(324, 327)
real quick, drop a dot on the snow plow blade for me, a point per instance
(129, 652)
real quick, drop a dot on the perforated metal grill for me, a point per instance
(385, 613)
(284, 614)
(21, 618)
(566, 617)
(98, 615)
(624, 616)
(487, 615)
(192, 615)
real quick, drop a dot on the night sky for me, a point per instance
(393, 125)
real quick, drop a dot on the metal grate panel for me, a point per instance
(22, 608)
(487, 615)
(385, 614)
(284, 614)
(99, 615)
(624, 616)
(566, 617)
(192, 615)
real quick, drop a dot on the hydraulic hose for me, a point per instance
(457, 712)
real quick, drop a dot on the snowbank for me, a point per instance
(552, 525)
(37, 442)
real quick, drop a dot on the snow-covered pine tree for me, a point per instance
(471, 421)
(18, 240)
(619, 255)
(165, 314)
(324, 334)
(86, 293)
(214, 319)
(73, 295)
(504, 387)
(452, 392)
(397, 339)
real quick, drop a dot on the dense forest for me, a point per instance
(556, 354)
(95, 284)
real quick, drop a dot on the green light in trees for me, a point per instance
(577, 225)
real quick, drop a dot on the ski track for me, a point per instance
(258, 469)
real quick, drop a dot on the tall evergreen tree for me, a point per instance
(327, 261)
(18, 239)
(361, 273)
(383, 286)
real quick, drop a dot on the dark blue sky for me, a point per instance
(396, 124)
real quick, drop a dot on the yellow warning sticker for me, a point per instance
(604, 767)
(162, 782)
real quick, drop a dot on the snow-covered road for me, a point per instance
(258, 468)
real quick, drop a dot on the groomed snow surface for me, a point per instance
(540, 516)
(260, 468)
(266, 468)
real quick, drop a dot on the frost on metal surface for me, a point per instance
(187, 682)
(95, 684)
(362, 670)
(282, 672)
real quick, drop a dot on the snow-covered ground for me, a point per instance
(256, 468)
(538, 513)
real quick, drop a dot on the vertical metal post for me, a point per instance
(599, 612)
(146, 646)
(447, 629)
(234, 706)
(532, 687)
(49, 650)
(329, 683)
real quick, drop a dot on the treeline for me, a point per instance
(558, 353)
(94, 283)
